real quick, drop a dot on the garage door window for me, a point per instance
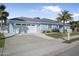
(33, 25)
(28, 24)
(18, 24)
(24, 24)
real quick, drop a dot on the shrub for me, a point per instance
(43, 31)
(46, 31)
(55, 30)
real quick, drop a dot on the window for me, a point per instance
(28, 24)
(18, 24)
(33, 25)
(23, 24)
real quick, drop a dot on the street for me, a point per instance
(70, 52)
(74, 51)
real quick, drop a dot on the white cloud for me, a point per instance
(33, 10)
(51, 8)
(75, 14)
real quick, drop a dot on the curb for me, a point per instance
(10, 36)
(61, 50)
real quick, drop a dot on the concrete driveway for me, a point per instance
(31, 45)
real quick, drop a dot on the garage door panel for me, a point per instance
(32, 29)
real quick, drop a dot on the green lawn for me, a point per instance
(2, 42)
(56, 34)
(61, 35)
(74, 33)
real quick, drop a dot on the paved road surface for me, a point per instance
(74, 51)
(31, 45)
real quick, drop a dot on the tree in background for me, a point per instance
(74, 25)
(64, 16)
(3, 15)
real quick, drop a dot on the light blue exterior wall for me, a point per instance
(41, 27)
(11, 28)
(18, 27)
(54, 26)
(24, 28)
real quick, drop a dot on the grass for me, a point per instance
(61, 35)
(56, 34)
(2, 40)
(74, 33)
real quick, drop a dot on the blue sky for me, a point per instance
(42, 10)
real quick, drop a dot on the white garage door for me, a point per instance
(32, 29)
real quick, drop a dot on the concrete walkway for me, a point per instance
(31, 45)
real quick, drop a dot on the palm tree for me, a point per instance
(64, 16)
(2, 8)
(74, 25)
(3, 15)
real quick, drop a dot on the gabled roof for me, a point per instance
(35, 20)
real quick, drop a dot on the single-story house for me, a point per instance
(32, 25)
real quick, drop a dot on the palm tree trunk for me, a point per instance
(63, 26)
(1, 23)
(4, 22)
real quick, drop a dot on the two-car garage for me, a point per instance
(26, 28)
